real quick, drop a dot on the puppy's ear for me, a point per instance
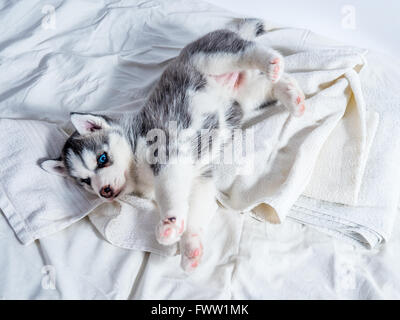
(86, 123)
(54, 166)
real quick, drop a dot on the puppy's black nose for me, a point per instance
(106, 192)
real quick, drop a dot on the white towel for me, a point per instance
(371, 222)
(288, 149)
(130, 224)
(35, 204)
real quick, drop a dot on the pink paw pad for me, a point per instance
(167, 232)
(192, 252)
(195, 253)
(275, 69)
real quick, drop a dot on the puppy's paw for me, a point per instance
(170, 230)
(275, 68)
(295, 99)
(191, 252)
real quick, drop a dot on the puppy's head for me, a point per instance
(97, 156)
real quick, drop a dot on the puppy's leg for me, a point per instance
(202, 206)
(289, 93)
(253, 56)
(172, 191)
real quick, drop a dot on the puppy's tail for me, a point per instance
(248, 28)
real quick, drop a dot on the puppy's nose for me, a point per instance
(106, 192)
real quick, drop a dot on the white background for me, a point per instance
(376, 22)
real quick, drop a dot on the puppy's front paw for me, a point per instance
(170, 230)
(191, 251)
(275, 68)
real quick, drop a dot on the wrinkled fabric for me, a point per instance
(243, 259)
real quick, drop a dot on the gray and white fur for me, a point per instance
(216, 83)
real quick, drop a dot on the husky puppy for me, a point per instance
(216, 83)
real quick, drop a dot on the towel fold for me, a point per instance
(130, 224)
(370, 223)
(34, 203)
(326, 149)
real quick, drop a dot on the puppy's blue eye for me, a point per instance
(102, 159)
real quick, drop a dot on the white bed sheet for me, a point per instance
(245, 259)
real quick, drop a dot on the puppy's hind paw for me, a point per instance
(275, 68)
(170, 230)
(292, 97)
(295, 101)
(191, 251)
